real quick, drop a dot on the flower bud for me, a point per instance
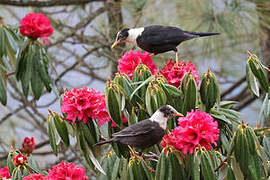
(209, 90)
(141, 73)
(19, 160)
(28, 145)
(155, 96)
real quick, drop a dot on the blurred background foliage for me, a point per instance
(81, 54)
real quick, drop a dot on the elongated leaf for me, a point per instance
(90, 139)
(10, 163)
(36, 82)
(113, 106)
(115, 169)
(61, 129)
(3, 93)
(2, 43)
(207, 169)
(252, 81)
(52, 136)
(43, 70)
(141, 85)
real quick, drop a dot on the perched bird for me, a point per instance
(145, 133)
(157, 39)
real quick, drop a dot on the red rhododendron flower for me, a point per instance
(196, 129)
(81, 104)
(4, 174)
(19, 160)
(28, 145)
(35, 177)
(128, 63)
(66, 171)
(174, 73)
(36, 26)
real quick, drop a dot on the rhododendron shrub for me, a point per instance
(197, 129)
(174, 72)
(82, 104)
(36, 26)
(66, 171)
(28, 145)
(128, 63)
(4, 174)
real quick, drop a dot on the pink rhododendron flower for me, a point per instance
(66, 171)
(28, 145)
(4, 174)
(19, 160)
(128, 63)
(36, 26)
(196, 129)
(35, 177)
(174, 73)
(81, 104)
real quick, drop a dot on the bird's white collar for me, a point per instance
(133, 34)
(160, 119)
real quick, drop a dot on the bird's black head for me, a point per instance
(120, 37)
(169, 112)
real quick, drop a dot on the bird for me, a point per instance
(145, 133)
(156, 38)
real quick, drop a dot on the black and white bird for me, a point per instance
(145, 133)
(157, 39)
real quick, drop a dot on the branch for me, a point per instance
(233, 87)
(49, 3)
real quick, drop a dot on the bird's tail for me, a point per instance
(103, 142)
(202, 34)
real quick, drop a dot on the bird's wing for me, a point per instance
(139, 128)
(160, 35)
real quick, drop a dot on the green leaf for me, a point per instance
(236, 170)
(2, 43)
(3, 93)
(252, 81)
(207, 170)
(43, 70)
(190, 95)
(161, 168)
(141, 85)
(113, 106)
(52, 136)
(36, 82)
(62, 130)
(10, 163)
(88, 134)
(115, 169)
(196, 167)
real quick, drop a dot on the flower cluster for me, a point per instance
(4, 174)
(36, 26)
(128, 63)
(66, 171)
(196, 129)
(81, 104)
(35, 177)
(19, 160)
(174, 72)
(28, 145)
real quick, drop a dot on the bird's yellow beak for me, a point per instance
(179, 114)
(115, 44)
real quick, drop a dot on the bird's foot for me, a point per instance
(151, 55)
(133, 154)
